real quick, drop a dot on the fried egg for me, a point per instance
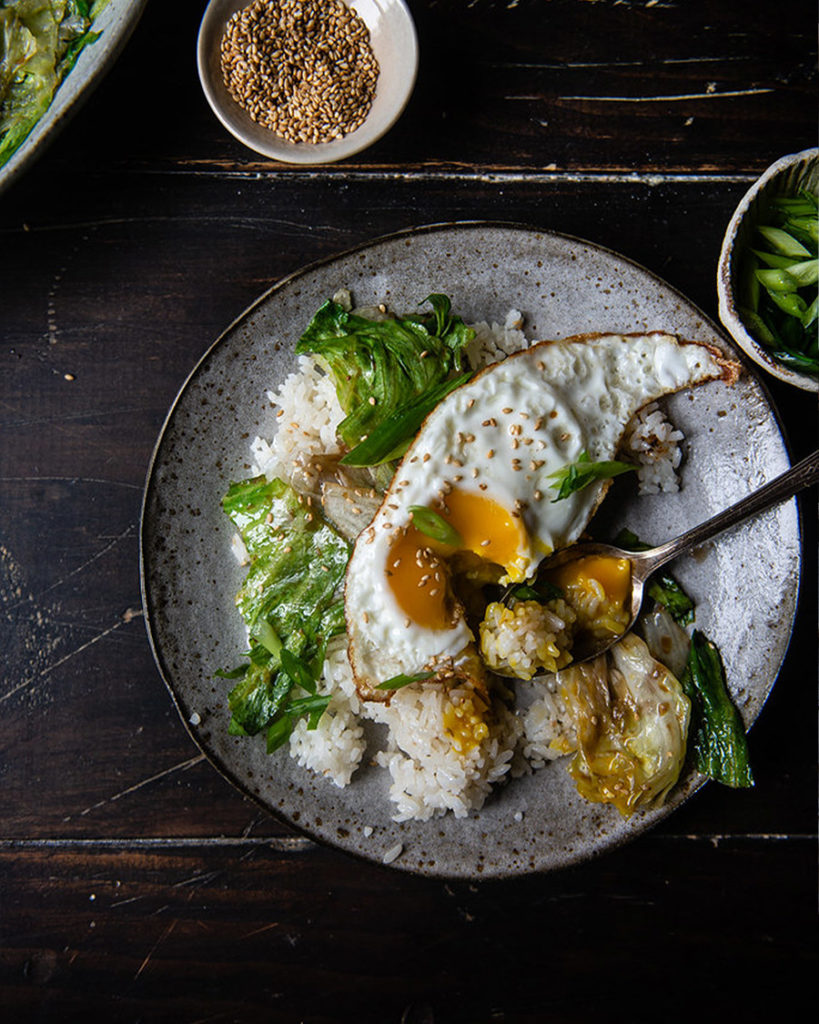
(483, 462)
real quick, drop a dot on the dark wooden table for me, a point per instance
(135, 883)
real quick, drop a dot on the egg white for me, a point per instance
(502, 436)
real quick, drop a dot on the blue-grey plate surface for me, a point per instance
(115, 23)
(745, 583)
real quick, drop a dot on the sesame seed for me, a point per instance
(538, 495)
(302, 68)
(371, 400)
(507, 410)
(491, 453)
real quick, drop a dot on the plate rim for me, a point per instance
(605, 844)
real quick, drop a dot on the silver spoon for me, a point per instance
(645, 563)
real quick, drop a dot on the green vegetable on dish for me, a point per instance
(389, 373)
(40, 42)
(400, 681)
(778, 297)
(289, 604)
(578, 475)
(717, 736)
(435, 526)
(719, 744)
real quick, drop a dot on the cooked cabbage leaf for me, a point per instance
(382, 367)
(631, 717)
(40, 41)
(289, 604)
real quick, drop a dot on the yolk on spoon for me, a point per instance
(613, 575)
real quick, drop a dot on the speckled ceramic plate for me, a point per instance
(115, 23)
(745, 584)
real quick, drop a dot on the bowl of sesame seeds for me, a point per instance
(307, 81)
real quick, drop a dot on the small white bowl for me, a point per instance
(798, 170)
(394, 43)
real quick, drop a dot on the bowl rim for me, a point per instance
(728, 314)
(304, 153)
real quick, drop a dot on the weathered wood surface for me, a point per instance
(133, 879)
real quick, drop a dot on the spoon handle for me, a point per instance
(802, 475)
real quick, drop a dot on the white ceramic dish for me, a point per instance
(745, 583)
(395, 45)
(115, 23)
(797, 170)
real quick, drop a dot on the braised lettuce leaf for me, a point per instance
(384, 367)
(40, 41)
(631, 717)
(289, 603)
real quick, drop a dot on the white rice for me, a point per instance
(429, 777)
(335, 748)
(305, 424)
(654, 444)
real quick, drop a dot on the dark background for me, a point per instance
(135, 883)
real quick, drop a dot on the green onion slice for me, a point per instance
(400, 681)
(435, 526)
(578, 475)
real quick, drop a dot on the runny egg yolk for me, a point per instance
(416, 565)
(613, 575)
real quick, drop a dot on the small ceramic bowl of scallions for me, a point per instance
(768, 273)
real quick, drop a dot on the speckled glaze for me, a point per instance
(745, 583)
(788, 174)
(115, 23)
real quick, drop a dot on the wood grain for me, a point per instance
(135, 883)
(203, 933)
